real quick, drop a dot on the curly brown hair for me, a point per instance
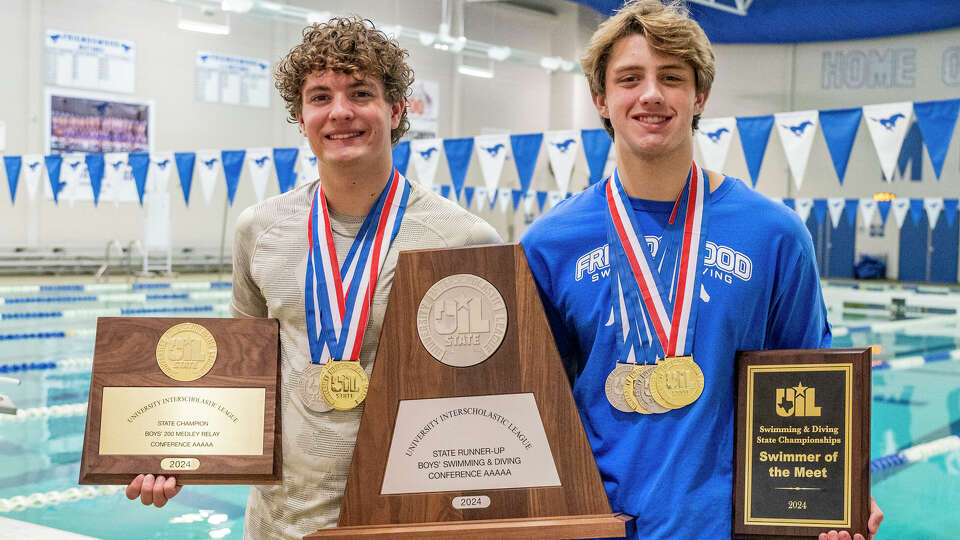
(349, 45)
(668, 29)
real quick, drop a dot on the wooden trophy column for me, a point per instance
(524, 368)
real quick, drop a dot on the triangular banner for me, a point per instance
(401, 157)
(284, 160)
(308, 166)
(95, 165)
(52, 163)
(209, 167)
(936, 120)
(139, 165)
(596, 147)
(888, 124)
(803, 207)
(258, 163)
(491, 153)
(458, 152)
(116, 166)
(504, 195)
(541, 200)
(820, 209)
(553, 198)
(797, 129)
(839, 128)
(11, 165)
(468, 193)
(161, 165)
(232, 167)
(868, 208)
(425, 154)
(754, 134)
(900, 209)
(481, 198)
(517, 196)
(713, 137)
(562, 150)
(916, 211)
(950, 210)
(933, 206)
(32, 170)
(71, 172)
(525, 149)
(852, 205)
(835, 205)
(445, 191)
(529, 202)
(789, 203)
(884, 208)
(186, 161)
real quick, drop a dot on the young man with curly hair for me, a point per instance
(665, 264)
(345, 86)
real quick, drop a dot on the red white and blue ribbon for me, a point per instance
(672, 317)
(337, 298)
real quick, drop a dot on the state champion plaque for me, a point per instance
(803, 432)
(192, 398)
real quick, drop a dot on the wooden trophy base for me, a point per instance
(592, 526)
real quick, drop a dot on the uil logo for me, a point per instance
(799, 400)
(460, 316)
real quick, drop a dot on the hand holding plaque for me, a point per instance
(195, 398)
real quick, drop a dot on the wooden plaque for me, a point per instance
(802, 443)
(469, 428)
(191, 398)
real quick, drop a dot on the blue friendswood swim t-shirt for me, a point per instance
(759, 290)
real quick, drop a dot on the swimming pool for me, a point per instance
(46, 340)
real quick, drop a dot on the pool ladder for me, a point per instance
(114, 248)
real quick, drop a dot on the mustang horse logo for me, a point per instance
(889, 122)
(714, 136)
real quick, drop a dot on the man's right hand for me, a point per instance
(153, 490)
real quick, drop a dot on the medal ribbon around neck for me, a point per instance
(337, 299)
(672, 322)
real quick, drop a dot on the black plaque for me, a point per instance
(803, 442)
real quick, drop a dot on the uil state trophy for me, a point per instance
(469, 427)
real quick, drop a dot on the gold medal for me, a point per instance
(614, 387)
(186, 352)
(641, 391)
(676, 382)
(629, 394)
(343, 384)
(309, 389)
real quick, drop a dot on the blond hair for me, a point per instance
(667, 28)
(348, 45)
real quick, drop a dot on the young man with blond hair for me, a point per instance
(345, 86)
(665, 264)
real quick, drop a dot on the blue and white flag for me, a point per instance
(425, 154)
(139, 166)
(868, 208)
(851, 207)
(284, 160)
(458, 152)
(259, 164)
(468, 193)
(900, 208)
(480, 195)
(401, 156)
(713, 137)
(308, 166)
(504, 196)
(116, 168)
(936, 120)
(802, 207)
(596, 148)
(797, 130)
(53, 163)
(161, 166)
(492, 151)
(562, 149)
(553, 198)
(884, 208)
(820, 209)
(186, 162)
(526, 149)
(232, 167)
(836, 206)
(888, 124)
(209, 167)
(95, 166)
(32, 169)
(916, 211)
(839, 128)
(11, 165)
(754, 135)
(933, 206)
(72, 172)
(529, 201)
